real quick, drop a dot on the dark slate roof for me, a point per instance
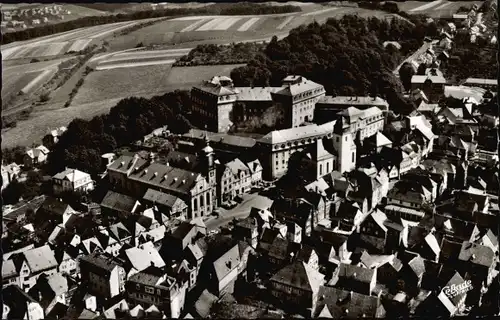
(118, 202)
(341, 303)
(299, 275)
(161, 198)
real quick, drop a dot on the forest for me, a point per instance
(242, 8)
(346, 56)
(212, 54)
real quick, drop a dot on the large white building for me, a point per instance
(214, 101)
(72, 180)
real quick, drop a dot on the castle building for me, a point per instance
(276, 148)
(218, 104)
(328, 107)
(354, 126)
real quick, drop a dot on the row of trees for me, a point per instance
(82, 145)
(215, 9)
(211, 54)
(346, 56)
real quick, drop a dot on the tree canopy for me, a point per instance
(346, 56)
(82, 145)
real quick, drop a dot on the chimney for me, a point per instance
(183, 181)
(122, 163)
(228, 264)
(168, 164)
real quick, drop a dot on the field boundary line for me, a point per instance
(133, 65)
(247, 25)
(211, 23)
(426, 6)
(308, 14)
(284, 23)
(193, 25)
(444, 5)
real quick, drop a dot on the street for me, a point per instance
(239, 212)
(414, 56)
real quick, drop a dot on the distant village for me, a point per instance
(349, 211)
(19, 19)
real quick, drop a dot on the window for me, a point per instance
(320, 169)
(138, 286)
(338, 139)
(353, 157)
(345, 138)
(195, 204)
(327, 167)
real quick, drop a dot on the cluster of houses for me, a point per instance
(25, 17)
(390, 215)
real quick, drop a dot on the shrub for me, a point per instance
(44, 97)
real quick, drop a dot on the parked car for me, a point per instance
(238, 199)
(216, 213)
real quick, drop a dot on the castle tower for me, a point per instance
(343, 142)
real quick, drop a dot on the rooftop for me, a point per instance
(306, 132)
(71, 175)
(353, 101)
(299, 275)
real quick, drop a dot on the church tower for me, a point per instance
(343, 142)
(208, 162)
(208, 168)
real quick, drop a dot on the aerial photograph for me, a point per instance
(254, 160)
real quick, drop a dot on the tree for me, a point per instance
(405, 73)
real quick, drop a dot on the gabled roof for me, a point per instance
(161, 198)
(227, 263)
(299, 275)
(71, 175)
(144, 256)
(349, 271)
(476, 254)
(381, 140)
(118, 202)
(40, 259)
(341, 303)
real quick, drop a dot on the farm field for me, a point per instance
(74, 40)
(435, 9)
(27, 77)
(139, 58)
(143, 80)
(93, 100)
(223, 29)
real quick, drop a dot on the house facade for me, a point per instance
(72, 180)
(103, 276)
(135, 176)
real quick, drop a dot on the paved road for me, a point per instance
(239, 212)
(414, 56)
